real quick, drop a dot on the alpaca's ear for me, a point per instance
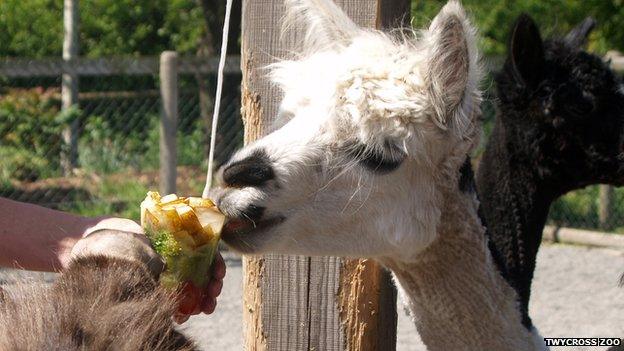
(326, 24)
(526, 52)
(577, 38)
(452, 64)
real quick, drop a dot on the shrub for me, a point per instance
(104, 150)
(577, 209)
(30, 133)
(22, 164)
(192, 145)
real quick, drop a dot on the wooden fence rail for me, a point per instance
(167, 67)
(28, 68)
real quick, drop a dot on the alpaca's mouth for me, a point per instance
(238, 228)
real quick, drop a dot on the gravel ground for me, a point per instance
(575, 294)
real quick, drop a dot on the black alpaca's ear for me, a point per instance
(577, 38)
(526, 54)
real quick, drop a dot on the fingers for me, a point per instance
(219, 269)
(209, 304)
(180, 318)
(209, 300)
(189, 299)
(214, 288)
(193, 300)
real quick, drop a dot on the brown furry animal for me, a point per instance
(100, 302)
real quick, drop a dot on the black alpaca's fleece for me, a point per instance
(559, 127)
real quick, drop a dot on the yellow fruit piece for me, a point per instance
(210, 217)
(170, 219)
(148, 206)
(200, 202)
(149, 220)
(184, 239)
(168, 198)
(211, 220)
(197, 216)
(191, 224)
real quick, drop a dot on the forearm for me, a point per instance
(38, 238)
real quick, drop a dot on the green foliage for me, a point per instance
(579, 209)
(30, 134)
(21, 164)
(34, 28)
(494, 19)
(191, 145)
(147, 27)
(31, 143)
(139, 27)
(103, 149)
(31, 28)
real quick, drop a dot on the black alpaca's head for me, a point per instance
(562, 108)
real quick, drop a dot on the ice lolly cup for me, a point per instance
(185, 231)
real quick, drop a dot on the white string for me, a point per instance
(217, 102)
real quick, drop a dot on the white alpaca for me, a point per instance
(368, 165)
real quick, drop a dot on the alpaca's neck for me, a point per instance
(514, 207)
(456, 295)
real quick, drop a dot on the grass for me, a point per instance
(121, 194)
(113, 197)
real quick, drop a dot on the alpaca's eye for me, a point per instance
(578, 103)
(379, 159)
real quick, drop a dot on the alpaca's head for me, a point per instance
(562, 108)
(373, 125)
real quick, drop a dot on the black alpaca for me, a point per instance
(559, 128)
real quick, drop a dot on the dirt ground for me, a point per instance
(575, 294)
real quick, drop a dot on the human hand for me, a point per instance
(193, 300)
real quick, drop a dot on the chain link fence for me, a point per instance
(118, 137)
(117, 142)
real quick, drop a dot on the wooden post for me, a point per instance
(303, 303)
(367, 295)
(605, 199)
(69, 84)
(168, 121)
(605, 207)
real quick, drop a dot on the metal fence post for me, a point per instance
(168, 121)
(69, 85)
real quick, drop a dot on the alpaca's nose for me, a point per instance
(254, 170)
